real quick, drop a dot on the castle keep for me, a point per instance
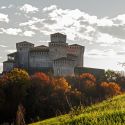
(58, 57)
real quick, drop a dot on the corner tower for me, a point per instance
(78, 51)
(23, 53)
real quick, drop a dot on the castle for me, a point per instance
(58, 57)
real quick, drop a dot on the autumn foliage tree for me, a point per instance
(110, 89)
(61, 84)
(86, 82)
(58, 98)
(13, 86)
(88, 79)
(36, 101)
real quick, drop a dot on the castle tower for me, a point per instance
(23, 53)
(77, 50)
(58, 46)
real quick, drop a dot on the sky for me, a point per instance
(99, 25)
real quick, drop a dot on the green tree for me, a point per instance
(111, 76)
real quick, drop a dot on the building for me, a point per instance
(58, 57)
(98, 73)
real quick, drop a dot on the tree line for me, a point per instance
(40, 96)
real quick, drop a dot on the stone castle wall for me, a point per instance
(38, 60)
(57, 50)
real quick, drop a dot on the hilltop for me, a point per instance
(109, 112)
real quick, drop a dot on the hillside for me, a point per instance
(110, 112)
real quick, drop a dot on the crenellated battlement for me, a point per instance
(58, 38)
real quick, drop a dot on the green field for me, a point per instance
(110, 112)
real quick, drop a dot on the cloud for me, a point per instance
(3, 7)
(33, 21)
(78, 25)
(105, 22)
(10, 6)
(33, 27)
(27, 8)
(120, 19)
(3, 46)
(11, 31)
(116, 31)
(1, 64)
(106, 38)
(49, 21)
(75, 23)
(68, 21)
(29, 33)
(97, 53)
(52, 7)
(10, 50)
(121, 53)
(81, 25)
(4, 18)
(1, 67)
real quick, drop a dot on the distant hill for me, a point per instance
(109, 112)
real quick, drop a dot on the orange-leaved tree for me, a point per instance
(110, 89)
(61, 84)
(58, 99)
(86, 82)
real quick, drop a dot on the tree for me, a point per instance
(2, 101)
(61, 84)
(110, 89)
(41, 76)
(36, 101)
(121, 82)
(111, 76)
(86, 82)
(14, 88)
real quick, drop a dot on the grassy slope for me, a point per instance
(110, 112)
